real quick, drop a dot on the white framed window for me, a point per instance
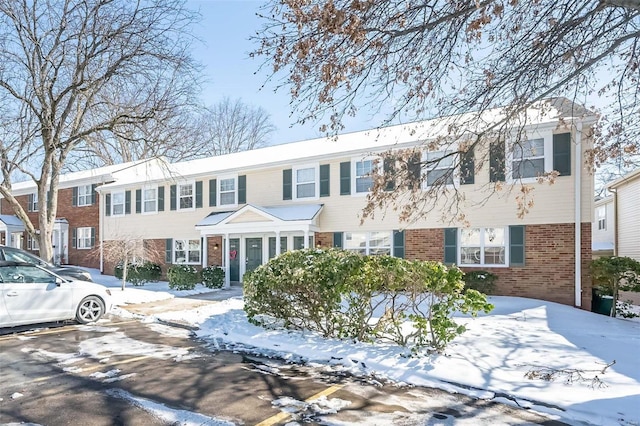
(32, 243)
(186, 251)
(440, 166)
(85, 195)
(117, 203)
(363, 175)
(32, 202)
(483, 247)
(186, 196)
(602, 218)
(149, 200)
(228, 191)
(528, 159)
(84, 238)
(373, 243)
(305, 182)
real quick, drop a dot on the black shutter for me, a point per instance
(516, 245)
(161, 198)
(562, 153)
(467, 166)
(168, 250)
(450, 245)
(74, 197)
(30, 202)
(93, 237)
(345, 178)
(199, 194)
(213, 194)
(74, 238)
(287, 184)
(242, 189)
(414, 168)
(398, 244)
(389, 167)
(324, 180)
(127, 202)
(138, 200)
(93, 193)
(496, 162)
(337, 239)
(172, 197)
(107, 204)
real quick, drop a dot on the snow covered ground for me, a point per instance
(531, 353)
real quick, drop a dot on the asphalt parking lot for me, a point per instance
(129, 372)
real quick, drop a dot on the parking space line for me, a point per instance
(62, 329)
(283, 416)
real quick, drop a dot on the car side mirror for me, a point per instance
(59, 281)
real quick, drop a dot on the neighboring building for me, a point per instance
(626, 204)
(241, 209)
(603, 228)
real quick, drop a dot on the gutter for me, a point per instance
(578, 217)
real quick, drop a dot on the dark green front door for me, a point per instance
(234, 259)
(254, 253)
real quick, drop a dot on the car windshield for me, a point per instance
(19, 256)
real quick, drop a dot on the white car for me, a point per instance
(30, 294)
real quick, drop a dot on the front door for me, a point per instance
(254, 253)
(234, 259)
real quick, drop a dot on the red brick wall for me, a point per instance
(548, 273)
(324, 239)
(155, 250)
(214, 256)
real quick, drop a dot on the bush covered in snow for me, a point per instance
(212, 276)
(342, 294)
(483, 281)
(183, 277)
(139, 273)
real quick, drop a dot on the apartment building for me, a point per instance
(239, 210)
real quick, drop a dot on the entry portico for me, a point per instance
(254, 234)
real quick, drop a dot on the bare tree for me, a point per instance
(74, 69)
(127, 250)
(233, 126)
(418, 59)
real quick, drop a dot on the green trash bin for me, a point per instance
(604, 305)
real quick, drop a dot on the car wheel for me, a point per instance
(90, 309)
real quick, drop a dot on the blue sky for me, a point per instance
(225, 30)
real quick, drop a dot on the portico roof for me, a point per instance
(250, 218)
(11, 223)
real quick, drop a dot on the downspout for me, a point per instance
(578, 217)
(615, 220)
(101, 230)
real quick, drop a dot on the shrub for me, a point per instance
(482, 281)
(612, 274)
(139, 273)
(182, 277)
(212, 277)
(342, 294)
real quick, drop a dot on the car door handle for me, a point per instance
(12, 293)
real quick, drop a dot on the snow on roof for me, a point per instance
(157, 169)
(624, 179)
(10, 220)
(97, 175)
(284, 213)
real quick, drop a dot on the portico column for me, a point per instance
(278, 248)
(306, 238)
(225, 260)
(205, 251)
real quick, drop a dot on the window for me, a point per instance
(528, 159)
(305, 182)
(32, 243)
(32, 202)
(483, 246)
(117, 204)
(84, 238)
(185, 196)
(439, 168)
(363, 176)
(368, 242)
(150, 200)
(85, 195)
(227, 191)
(298, 242)
(602, 218)
(186, 251)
